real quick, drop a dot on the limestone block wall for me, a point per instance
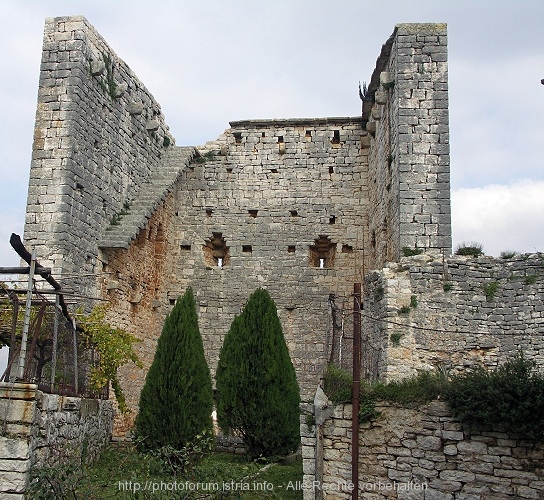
(98, 135)
(40, 429)
(409, 159)
(283, 203)
(430, 311)
(424, 453)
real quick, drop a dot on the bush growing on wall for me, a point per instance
(512, 397)
(176, 400)
(257, 392)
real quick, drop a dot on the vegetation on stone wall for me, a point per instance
(510, 398)
(471, 249)
(115, 348)
(177, 398)
(257, 392)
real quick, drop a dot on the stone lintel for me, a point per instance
(295, 122)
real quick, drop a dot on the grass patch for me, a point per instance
(119, 467)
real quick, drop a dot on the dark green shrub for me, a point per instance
(472, 249)
(420, 388)
(490, 289)
(176, 400)
(511, 397)
(409, 252)
(338, 384)
(257, 392)
(508, 254)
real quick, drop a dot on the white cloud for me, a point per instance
(501, 217)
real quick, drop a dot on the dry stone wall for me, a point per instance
(419, 453)
(430, 311)
(41, 429)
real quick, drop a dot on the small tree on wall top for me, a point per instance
(177, 398)
(257, 392)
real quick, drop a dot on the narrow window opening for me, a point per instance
(185, 248)
(253, 213)
(280, 139)
(309, 134)
(237, 137)
(373, 239)
(332, 219)
(294, 213)
(336, 137)
(209, 212)
(291, 249)
(216, 251)
(262, 134)
(172, 302)
(322, 252)
(229, 169)
(247, 248)
(331, 169)
(347, 249)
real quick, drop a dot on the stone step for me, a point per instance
(152, 192)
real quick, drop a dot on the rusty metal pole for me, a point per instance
(356, 389)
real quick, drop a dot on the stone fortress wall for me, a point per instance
(302, 207)
(99, 134)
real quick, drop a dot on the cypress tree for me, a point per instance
(177, 398)
(257, 394)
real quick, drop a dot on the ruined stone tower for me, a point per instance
(301, 207)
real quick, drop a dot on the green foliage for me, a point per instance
(511, 397)
(337, 384)
(404, 310)
(176, 400)
(472, 249)
(508, 254)
(183, 461)
(367, 407)
(310, 421)
(54, 482)
(378, 293)
(530, 280)
(115, 348)
(409, 252)
(413, 301)
(166, 141)
(490, 289)
(395, 338)
(257, 391)
(421, 388)
(447, 286)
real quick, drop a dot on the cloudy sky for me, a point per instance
(209, 62)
